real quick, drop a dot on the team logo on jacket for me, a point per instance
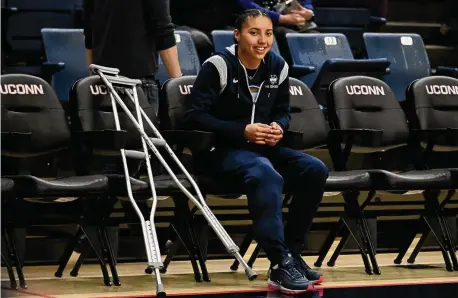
(273, 80)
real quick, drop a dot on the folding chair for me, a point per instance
(431, 108)
(35, 125)
(366, 105)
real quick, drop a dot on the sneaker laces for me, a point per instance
(293, 270)
(302, 264)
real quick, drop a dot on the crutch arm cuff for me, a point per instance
(103, 139)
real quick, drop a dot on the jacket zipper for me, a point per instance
(255, 100)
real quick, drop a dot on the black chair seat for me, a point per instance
(165, 185)
(31, 186)
(118, 184)
(7, 185)
(219, 186)
(341, 181)
(411, 180)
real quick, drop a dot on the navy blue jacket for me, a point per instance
(221, 102)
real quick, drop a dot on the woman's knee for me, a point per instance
(317, 170)
(264, 174)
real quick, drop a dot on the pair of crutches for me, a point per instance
(110, 78)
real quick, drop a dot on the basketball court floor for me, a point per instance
(427, 278)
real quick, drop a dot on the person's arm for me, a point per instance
(88, 9)
(307, 4)
(159, 22)
(204, 93)
(281, 110)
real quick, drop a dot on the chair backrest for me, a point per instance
(432, 103)
(187, 55)
(225, 38)
(315, 49)
(407, 54)
(25, 22)
(66, 45)
(306, 116)
(91, 109)
(365, 102)
(172, 105)
(29, 105)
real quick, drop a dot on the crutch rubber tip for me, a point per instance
(251, 274)
(161, 291)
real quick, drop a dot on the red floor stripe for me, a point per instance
(318, 288)
(30, 293)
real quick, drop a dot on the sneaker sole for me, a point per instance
(319, 281)
(277, 287)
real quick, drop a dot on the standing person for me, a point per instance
(129, 35)
(242, 95)
(200, 18)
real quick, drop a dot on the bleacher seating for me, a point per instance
(65, 47)
(350, 21)
(21, 37)
(187, 55)
(326, 57)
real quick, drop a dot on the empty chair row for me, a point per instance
(364, 116)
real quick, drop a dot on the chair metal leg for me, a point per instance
(254, 255)
(9, 267)
(370, 246)
(355, 228)
(94, 240)
(419, 245)
(66, 255)
(403, 250)
(343, 241)
(198, 249)
(110, 255)
(246, 242)
(436, 229)
(85, 250)
(11, 243)
(328, 243)
(172, 251)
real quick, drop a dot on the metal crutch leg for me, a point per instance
(159, 141)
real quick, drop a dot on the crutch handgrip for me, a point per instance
(158, 142)
(106, 70)
(123, 81)
(135, 154)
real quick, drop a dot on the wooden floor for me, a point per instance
(348, 272)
